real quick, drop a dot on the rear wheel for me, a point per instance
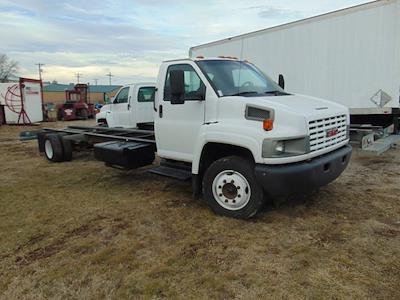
(67, 149)
(53, 148)
(230, 188)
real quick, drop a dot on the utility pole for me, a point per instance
(95, 81)
(78, 76)
(109, 76)
(40, 65)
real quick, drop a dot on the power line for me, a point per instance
(78, 76)
(40, 65)
(95, 81)
(109, 76)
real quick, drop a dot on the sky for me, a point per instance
(130, 38)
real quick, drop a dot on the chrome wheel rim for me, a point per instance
(48, 149)
(231, 190)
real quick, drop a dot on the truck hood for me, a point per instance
(307, 106)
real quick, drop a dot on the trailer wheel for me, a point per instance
(53, 148)
(230, 188)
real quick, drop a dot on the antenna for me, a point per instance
(40, 65)
(78, 76)
(109, 76)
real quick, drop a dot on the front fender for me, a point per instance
(101, 115)
(224, 137)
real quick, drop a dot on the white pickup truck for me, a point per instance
(131, 107)
(233, 131)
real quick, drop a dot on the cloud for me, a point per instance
(277, 13)
(130, 38)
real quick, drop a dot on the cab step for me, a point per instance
(180, 174)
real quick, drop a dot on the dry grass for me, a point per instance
(81, 230)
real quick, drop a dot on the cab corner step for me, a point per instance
(183, 175)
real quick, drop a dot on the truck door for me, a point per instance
(177, 125)
(145, 104)
(120, 109)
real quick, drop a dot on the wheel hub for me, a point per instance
(48, 149)
(231, 190)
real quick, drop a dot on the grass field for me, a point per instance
(82, 230)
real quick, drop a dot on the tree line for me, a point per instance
(8, 68)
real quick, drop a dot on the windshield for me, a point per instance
(237, 78)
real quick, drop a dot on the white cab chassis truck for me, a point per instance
(131, 107)
(229, 128)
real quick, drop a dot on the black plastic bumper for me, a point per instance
(281, 180)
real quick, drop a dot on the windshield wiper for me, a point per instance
(245, 93)
(276, 93)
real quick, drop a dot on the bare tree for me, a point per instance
(8, 68)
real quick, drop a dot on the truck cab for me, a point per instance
(243, 136)
(131, 107)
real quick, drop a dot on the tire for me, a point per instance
(230, 188)
(102, 123)
(40, 138)
(84, 113)
(67, 149)
(53, 148)
(66, 145)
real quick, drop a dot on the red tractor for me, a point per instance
(77, 105)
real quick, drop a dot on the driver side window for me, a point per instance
(122, 96)
(194, 87)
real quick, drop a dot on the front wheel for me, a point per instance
(230, 188)
(102, 123)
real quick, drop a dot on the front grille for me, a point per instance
(327, 132)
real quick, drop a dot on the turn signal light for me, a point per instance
(268, 124)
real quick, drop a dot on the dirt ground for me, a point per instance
(82, 230)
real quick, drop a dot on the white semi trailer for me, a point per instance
(350, 56)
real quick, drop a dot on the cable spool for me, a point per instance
(14, 102)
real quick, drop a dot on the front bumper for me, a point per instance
(281, 180)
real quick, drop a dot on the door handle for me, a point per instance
(160, 111)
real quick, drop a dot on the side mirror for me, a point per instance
(177, 83)
(281, 81)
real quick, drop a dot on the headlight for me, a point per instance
(280, 146)
(284, 148)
